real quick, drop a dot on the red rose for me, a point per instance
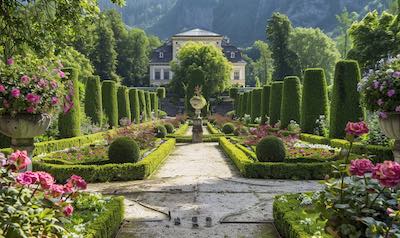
(387, 173)
(360, 167)
(356, 128)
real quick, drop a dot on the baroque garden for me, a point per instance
(107, 131)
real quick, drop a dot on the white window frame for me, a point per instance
(161, 55)
(233, 55)
(155, 74)
(236, 75)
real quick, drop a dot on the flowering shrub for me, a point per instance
(294, 127)
(144, 135)
(31, 203)
(321, 126)
(33, 86)
(381, 87)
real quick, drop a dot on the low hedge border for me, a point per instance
(212, 129)
(181, 131)
(111, 172)
(107, 224)
(381, 153)
(270, 170)
(206, 138)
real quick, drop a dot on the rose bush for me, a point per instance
(31, 203)
(33, 86)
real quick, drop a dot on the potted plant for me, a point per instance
(381, 94)
(30, 90)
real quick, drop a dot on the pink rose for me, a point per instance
(54, 84)
(2, 88)
(78, 182)
(45, 179)
(10, 61)
(19, 159)
(61, 74)
(25, 79)
(56, 190)
(68, 210)
(15, 92)
(361, 167)
(43, 83)
(356, 128)
(68, 188)
(387, 173)
(27, 178)
(30, 110)
(54, 100)
(33, 98)
(6, 104)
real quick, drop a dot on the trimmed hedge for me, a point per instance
(182, 130)
(275, 102)
(161, 93)
(69, 124)
(110, 102)
(135, 105)
(238, 112)
(111, 172)
(265, 97)
(142, 105)
(256, 103)
(124, 107)
(148, 105)
(206, 138)
(248, 103)
(315, 139)
(107, 224)
(345, 104)
(154, 103)
(233, 92)
(314, 99)
(93, 101)
(291, 99)
(212, 129)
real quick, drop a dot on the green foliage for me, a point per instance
(291, 101)
(5, 141)
(154, 103)
(161, 131)
(286, 61)
(233, 92)
(123, 150)
(244, 103)
(74, 59)
(271, 149)
(275, 102)
(263, 67)
(170, 128)
(194, 58)
(256, 101)
(265, 97)
(228, 128)
(111, 172)
(238, 108)
(148, 105)
(345, 104)
(248, 103)
(124, 107)
(135, 105)
(314, 99)
(142, 105)
(374, 38)
(161, 93)
(345, 20)
(69, 124)
(93, 101)
(110, 102)
(314, 49)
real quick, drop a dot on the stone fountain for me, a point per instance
(198, 102)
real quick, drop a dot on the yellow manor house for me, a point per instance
(160, 70)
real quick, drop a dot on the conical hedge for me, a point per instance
(142, 105)
(345, 104)
(256, 103)
(135, 105)
(248, 103)
(154, 103)
(275, 102)
(244, 104)
(314, 100)
(265, 96)
(93, 101)
(238, 110)
(69, 124)
(291, 101)
(161, 93)
(124, 108)
(110, 102)
(148, 105)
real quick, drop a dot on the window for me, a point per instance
(233, 55)
(157, 75)
(236, 75)
(166, 74)
(161, 55)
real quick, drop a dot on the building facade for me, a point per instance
(160, 70)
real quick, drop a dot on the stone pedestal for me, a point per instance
(197, 131)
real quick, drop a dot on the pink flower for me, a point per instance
(2, 88)
(68, 106)
(45, 179)
(398, 108)
(68, 210)
(54, 84)
(19, 159)
(360, 167)
(61, 74)
(27, 178)
(376, 84)
(54, 100)
(15, 92)
(43, 83)
(387, 173)
(6, 104)
(33, 98)
(68, 188)
(380, 102)
(396, 74)
(356, 128)
(30, 110)
(78, 182)
(383, 115)
(25, 79)
(56, 190)
(391, 93)
(10, 61)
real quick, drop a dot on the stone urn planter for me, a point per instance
(22, 128)
(390, 126)
(198, 102)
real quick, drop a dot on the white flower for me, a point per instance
(306, 221)
(390, 71)
(306, 201)
(282, 199)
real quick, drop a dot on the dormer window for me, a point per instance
(233, 55)
(161, 55)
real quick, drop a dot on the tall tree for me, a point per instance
(315, 50)
(285, 60)
(345, 20)
(264, 65)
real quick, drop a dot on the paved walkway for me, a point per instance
(199, 180)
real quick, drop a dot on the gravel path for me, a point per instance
(199, 180)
